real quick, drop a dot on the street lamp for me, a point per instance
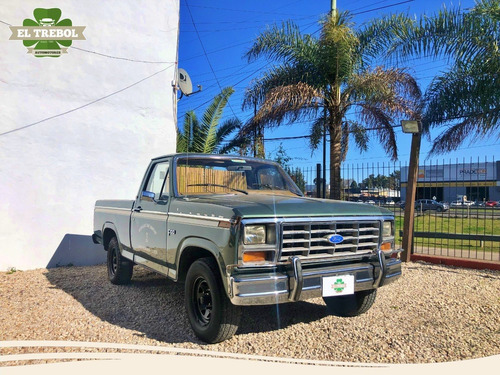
(415, 128)
(411, 126)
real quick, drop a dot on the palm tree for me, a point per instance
(207, 136)
(466, 98)
(324, 79)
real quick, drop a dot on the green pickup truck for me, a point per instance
(237, 231)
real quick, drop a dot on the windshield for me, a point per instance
(198, 175)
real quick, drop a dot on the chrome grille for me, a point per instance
(309, 240)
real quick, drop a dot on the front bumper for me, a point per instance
(297, 281)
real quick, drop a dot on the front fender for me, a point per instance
(190, 243)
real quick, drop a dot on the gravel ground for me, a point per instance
(431, 314)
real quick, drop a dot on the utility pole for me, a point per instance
(333, 8)
(323, 195)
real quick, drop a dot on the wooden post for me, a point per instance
(318, 180)
(411, 190)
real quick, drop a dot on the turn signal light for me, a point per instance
(386, 246)
(254, 256)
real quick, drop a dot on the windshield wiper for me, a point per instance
(223, 186)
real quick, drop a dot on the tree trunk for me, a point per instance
(335, 155)
(259, 143)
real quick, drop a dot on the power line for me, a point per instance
(85, 105)
(369, 5)
(249, 11)
(122, 58)
(205, 52)
(246, 21)
(384, 7)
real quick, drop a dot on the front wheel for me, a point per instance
(211, 314)
(351, 305)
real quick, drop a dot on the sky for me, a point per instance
(214, 36)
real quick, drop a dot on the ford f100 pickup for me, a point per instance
(237, 231)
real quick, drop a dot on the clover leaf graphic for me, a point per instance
(47, 18)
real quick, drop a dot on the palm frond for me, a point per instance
(450, 139)
(185, 137)
(283, 43)
(318, 127)
(291, 102)
(462, 93)
(206, 143)
(393, 92)
(224, 130)
(338, 50)
(277, 76)
(360, 135)
(378, 36)
(375, 118)
(344, 140)
(450, 33)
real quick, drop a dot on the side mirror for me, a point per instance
(149, 196)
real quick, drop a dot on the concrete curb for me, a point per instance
(458, 262)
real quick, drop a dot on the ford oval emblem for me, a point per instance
(334, 238)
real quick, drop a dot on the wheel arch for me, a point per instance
(194, 248)
(108, 232)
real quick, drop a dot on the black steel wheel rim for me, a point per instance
(114, 262)
(202, 298)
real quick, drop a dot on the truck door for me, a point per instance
(148, 224)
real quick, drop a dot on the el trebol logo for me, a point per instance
(47, 35)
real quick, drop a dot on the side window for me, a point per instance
(158, 182)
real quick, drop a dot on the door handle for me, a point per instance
(138, 209)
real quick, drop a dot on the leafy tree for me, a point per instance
(465, 99)
(379, 181)
(206, 136)
(324, 79)
(283, 159)
(395, 180)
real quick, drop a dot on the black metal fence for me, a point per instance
(457, 212)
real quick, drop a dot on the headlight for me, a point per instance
(254, 235)
(387, 236)
(387, 229)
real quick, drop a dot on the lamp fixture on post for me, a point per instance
(415, 128)
(411, 126)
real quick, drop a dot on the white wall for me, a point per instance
(52, 173)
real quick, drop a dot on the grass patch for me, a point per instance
(474, 225)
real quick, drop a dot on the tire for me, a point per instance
(119, 269)
(351, 305)
(439, 209)
(211, 314)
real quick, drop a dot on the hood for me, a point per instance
(265, 205)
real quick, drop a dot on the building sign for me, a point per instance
(47, 35)
(455, 172)
(454, 184)
(432, 172)
(472, 171)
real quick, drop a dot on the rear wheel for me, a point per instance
(211, 314)
(119, 269)
(351, 305)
